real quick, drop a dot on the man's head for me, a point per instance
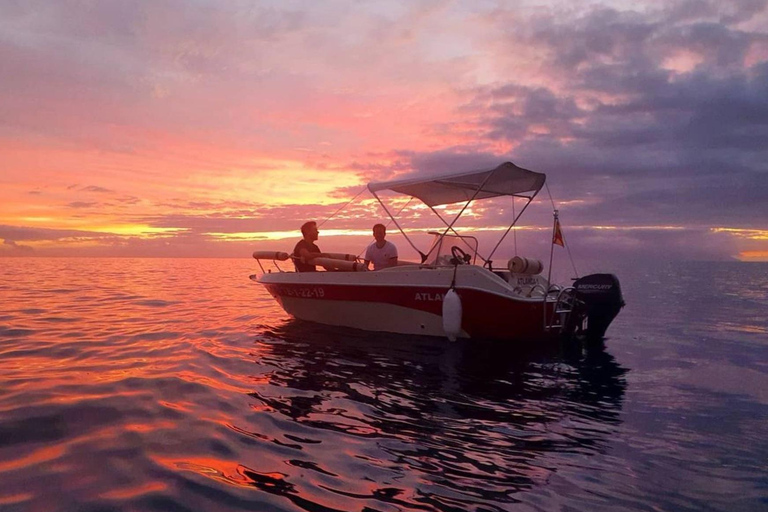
(379, 232)
(309, 230)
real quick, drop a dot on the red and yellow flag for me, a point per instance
(557, 236)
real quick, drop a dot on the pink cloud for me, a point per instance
(203, 116)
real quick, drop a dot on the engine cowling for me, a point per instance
(602, 299)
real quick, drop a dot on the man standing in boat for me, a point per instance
(382, 253)
(306, 250)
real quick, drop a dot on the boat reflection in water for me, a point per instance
(379, 421)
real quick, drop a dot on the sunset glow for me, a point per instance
(754, 256)
(204, 129)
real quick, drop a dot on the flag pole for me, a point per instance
(549, 273)
(552, 245)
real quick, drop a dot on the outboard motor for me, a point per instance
(602, 299)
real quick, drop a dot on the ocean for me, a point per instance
(180, 385)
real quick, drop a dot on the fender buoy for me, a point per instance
(452, 314)
(271, 255)
(527, 266)
(341, 256)
(332, 264)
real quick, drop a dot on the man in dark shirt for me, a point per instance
(306, 251)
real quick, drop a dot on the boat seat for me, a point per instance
(502, 275)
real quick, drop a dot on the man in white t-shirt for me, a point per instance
(382, 253)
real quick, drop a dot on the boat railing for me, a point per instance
(336, 262)
(274, 256)
(563, 307)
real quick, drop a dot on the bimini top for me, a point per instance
(505, 180)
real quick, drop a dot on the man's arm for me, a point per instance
(309, 257)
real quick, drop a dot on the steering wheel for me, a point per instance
(459, 254)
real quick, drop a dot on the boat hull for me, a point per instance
(411, 302)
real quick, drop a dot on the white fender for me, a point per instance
(526, 266)
(341, 256)
(270, 255)
(333, 264)
(452, 314)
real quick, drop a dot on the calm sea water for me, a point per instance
(175, 385)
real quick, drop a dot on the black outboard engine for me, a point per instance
(602, 299)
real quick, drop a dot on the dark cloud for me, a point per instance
(100, 190)
(446, 161)
(29, 234)
(705, 203)
(266, 218)
(128, 200)
(82, 204)
(12, 248)
(722, 12)
(644, 143)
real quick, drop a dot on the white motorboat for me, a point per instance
(449, 293)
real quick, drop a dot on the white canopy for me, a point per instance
(505, 180)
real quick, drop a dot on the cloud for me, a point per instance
(644, 143)
(100, 190)
(30, 234)
(11, 248)
(266, 218)
(203, 116)
(82, 204)
(128, 200)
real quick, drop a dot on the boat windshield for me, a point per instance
(440, 250)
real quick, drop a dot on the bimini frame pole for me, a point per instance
(450, 226)
(392, 217)
(514, 221)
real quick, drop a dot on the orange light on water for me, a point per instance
(141, 427)
(222, 470)
(36, 457)
(13, 499)
(753, 256)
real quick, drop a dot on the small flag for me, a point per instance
(557, 236)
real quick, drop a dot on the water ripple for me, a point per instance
(180, 385)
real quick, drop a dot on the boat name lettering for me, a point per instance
(527, 281)
(311, 293)
(429, 296)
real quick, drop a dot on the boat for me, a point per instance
(454, 291)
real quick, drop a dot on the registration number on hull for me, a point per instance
(313, 292)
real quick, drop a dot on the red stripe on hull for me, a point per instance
(484, 315)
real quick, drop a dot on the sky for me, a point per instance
(203, 128)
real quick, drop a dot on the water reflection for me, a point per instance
(418, 423)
